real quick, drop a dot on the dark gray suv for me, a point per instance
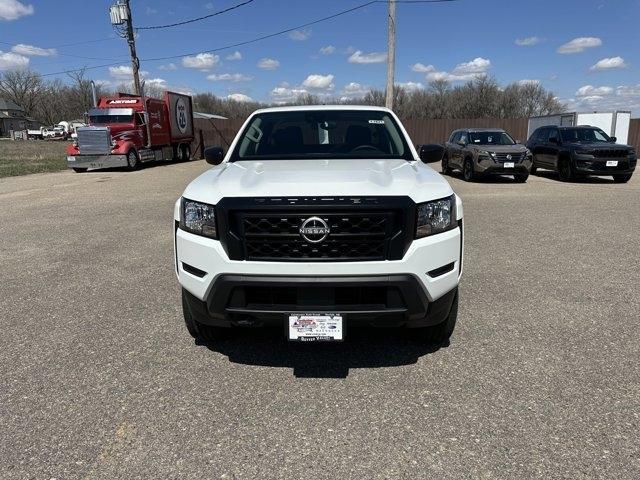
(482, 151)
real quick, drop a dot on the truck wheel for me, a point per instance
(565, 170)
(440, 334)
(185, 152)
(467, 170)
(521, 178)
(622, 178)
(132, 160)
(199, 331)
(79, 170)
(446, 169)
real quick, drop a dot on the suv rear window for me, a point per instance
(314, 134)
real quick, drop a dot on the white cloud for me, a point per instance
(579, 44)
(201, 61)
(609, 64)
(589, 91)
(328, 50)
(11, 61)
(463, 71)
(169, 66)
(411, 86)
(160, 82)
(528, 41)
(151, 11)
(13, 9)
(364, 58)
(528, 81)
(124, 72)
(239, 97)
(355, 90)
(229, 77)
(285, 93)
(234, 56)
(318, 82)
(268, 64)
(300, 35)
(419, 67)
(30, 50)
(209, 5)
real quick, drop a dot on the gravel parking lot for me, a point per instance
(100, 379)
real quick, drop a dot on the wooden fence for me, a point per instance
(221, 132)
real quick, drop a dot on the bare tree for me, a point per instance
(22, 86)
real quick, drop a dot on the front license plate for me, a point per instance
(612, 163)
(315, 327)
(96, 165)
(509, 164)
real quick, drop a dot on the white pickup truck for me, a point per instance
(317, 219)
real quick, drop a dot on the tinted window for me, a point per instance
(491, 138)
(553, 133)
(464, 137)
(322, 134)
(584, 135)
(455, 136)
(106, 119)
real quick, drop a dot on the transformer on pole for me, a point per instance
(122, 21)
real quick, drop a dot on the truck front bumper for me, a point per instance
(588, 165)
(415, 291)
(487, 167)
(96, 161)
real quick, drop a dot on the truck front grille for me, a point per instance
(94, 140)
(352, 236)
(610, 153)
(515, 157)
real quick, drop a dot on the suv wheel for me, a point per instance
(79, 170)
(521, 178)
(467, 170)
(132, 160)
(565, 170)
(622, 178)
(446, 169)
(199, 331)
(534, 168)
(440, 334)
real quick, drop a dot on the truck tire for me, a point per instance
(185, 152)
(133, 163)
(199, 331)
(467, 170)
(446, 168)
(565, 170)
(624, 178)
(440, 334)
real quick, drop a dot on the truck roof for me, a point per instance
(306, 108)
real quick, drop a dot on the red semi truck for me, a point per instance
(127, 130)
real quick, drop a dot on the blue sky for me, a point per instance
(585, 51)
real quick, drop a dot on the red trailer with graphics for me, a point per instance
(127, 130)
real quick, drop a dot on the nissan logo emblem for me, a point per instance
(509, 157)
(314, 230)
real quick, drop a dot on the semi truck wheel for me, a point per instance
(132, 160)
(185, 152)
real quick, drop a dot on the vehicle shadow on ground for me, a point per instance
(498, 179)
(363, 348)
(586, 179)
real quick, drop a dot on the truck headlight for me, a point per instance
(436, 217)
(198, 218)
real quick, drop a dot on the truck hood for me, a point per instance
(598, 146)
(311, 178)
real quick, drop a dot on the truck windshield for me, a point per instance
(314, 134)
(589, 135)
(490, 138)
(107, 119)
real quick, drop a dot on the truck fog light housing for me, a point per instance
(198, 218)
(436, 217)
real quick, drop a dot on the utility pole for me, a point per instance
(391, 53)
(122, 21)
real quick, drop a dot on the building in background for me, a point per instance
(13, 117)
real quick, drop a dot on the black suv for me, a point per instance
(580, 151)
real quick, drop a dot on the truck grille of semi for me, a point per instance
(94, 141)
(356, 236)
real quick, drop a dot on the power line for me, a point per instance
(185, 22)
(258, 39)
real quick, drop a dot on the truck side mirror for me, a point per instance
(614, 139)
(214, 155)
(462, 143)
(431, 153)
